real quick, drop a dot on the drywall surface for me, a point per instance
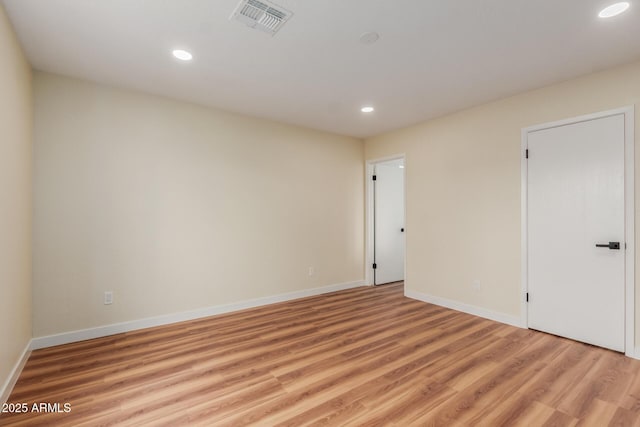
(15, 200)
(175, 207)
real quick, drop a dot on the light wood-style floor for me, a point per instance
(366, 356)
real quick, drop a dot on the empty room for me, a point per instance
(322, 212)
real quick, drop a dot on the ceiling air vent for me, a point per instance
(261, 15)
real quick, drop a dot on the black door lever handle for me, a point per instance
(610, 245)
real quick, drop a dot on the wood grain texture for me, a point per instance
(365, 356)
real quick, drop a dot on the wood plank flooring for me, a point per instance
(366, 356)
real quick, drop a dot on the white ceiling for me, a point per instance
(433, 57)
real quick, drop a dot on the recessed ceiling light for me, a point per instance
(401, 166)
(182, 55)
(614, 9)
(367, 109)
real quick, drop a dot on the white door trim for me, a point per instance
(629, 216)
(369, 213)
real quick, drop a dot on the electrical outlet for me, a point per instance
(108, 297)
(312, 271)
(475, 285)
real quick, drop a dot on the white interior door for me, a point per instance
(575, 188)
(389, 222)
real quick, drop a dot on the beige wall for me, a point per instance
(463, 186)
(15, 200)
(176, 207)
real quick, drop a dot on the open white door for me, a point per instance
(389, 222)
(576, 231)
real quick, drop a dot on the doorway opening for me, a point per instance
(386, 221)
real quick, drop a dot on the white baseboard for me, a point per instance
(483, 312)
(8, 385)
(466, 308)
(116, 328)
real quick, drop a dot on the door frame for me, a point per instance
(369, 208)
(629, 216)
